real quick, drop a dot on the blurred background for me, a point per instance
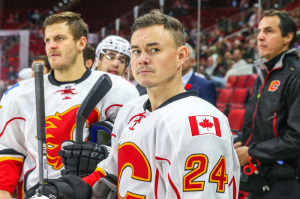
(213, 27)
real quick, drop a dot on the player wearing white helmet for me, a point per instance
(113, 55)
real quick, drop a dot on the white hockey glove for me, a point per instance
(106, 188)
(81, 159)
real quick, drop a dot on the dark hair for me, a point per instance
(155, 17)
(89, 53)
(77, 26)
(286, 24)
(46, 61)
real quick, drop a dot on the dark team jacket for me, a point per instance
(272, 120)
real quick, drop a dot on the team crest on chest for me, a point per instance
(274, 85)
(67, 92)
(135, 120)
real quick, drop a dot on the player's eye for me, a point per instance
(136, 52)
(110, 57)
(154, 50)
(122, 61)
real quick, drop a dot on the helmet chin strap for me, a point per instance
(94, 66)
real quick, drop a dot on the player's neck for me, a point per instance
(72, 73)
(159, 94)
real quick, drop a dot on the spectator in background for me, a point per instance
(180, 8)
(191, 82)
(240, 66)
(44, 60)
(11, 74)
(271, 130)
(250, 51)
(89, 56)
(238, 59)
(113, 55)
(221, 67)
(253, 19)
(36, 17)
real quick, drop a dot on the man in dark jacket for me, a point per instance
(191, 82)
(271, 131)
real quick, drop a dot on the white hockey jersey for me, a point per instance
(183, 149)
(18, 134)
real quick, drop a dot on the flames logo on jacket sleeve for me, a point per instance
(60, 127)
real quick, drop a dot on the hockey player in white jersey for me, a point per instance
(113, 55)
(169, 144)
(65, 88)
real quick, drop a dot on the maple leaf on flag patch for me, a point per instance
(206, 124)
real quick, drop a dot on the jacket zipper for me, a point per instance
(258, 96)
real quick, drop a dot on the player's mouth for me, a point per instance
(54, 55)
(143, 72)
(113, 72)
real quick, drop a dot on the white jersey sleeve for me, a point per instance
(18, 131)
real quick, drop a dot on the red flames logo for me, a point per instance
(60, 128)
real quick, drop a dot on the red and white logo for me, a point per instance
(136, 120)
(204, 124)
(274, 85)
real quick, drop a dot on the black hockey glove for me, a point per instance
(106, 187)
(81, 159)
(65, 187)
(100, 132)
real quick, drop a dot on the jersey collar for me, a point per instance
(53, 81)
(147, 104)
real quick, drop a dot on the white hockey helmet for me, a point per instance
(115, 43)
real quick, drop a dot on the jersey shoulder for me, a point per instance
(118, 82)
(25, 87)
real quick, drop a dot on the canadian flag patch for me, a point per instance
(204, 124)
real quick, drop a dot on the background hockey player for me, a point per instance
(65, 88)
(113, 55)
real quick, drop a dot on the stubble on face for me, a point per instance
(67, 61)
(62, 51)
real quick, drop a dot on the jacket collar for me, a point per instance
(260, 64)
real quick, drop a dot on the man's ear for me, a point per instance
(288, 38)
(89, 63)
(182, 55)
(81, 43)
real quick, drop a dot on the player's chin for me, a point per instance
(146, 83)
(58, 67)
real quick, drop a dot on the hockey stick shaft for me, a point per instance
(97, 92)
(40, 119)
